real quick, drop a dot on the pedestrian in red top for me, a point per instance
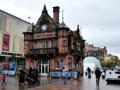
(4, 79)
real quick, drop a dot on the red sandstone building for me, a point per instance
(50, 45)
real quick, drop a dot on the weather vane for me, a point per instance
(62, 15)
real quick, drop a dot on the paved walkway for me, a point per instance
(83, 84)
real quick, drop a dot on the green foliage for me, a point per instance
(107, 63)
(112, 62)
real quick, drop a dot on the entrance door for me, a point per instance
(44, 67)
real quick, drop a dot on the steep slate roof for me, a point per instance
(76, 34)
(45, 19)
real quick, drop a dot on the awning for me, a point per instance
(5, 55)
(4, 63)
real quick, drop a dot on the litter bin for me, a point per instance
(103, 76)
(75, 75)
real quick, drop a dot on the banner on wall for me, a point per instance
(6, 39)
(12, 68)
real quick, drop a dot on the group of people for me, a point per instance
(31, 76)
(97, 73)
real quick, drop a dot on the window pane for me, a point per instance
(46, 44)
(35, 45)
(57, 64)
(41, 45)
(64, 43)
(70, 63)
(52, 44)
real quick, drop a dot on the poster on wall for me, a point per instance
(6, 39)
(12, 66)
(12, 69)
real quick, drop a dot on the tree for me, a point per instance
(113, 61)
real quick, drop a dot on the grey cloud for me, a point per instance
(99, 19)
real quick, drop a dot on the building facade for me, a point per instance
(51, 45)
(12, 38)
(99, 53)
(110, 57)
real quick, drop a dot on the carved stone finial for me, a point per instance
(44, 9)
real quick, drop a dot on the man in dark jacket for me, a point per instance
(98, 74)
(89, 72)
(21, 77)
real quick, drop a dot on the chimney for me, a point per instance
(56, 14)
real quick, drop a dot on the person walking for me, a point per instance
(104, 70)
(4, 79)
(98, 74)
(89, 72)
(65, 72)
(21, 77)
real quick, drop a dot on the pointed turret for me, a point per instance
(44, 9)
(78, 30)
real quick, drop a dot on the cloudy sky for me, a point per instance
(99, 20)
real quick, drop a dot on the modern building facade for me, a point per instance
(51, 45)
(12, 38)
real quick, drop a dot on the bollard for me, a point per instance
(103, 76)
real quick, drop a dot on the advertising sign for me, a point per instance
(12, 66)
(6, 39)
